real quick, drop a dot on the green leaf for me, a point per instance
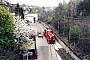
(6, 27)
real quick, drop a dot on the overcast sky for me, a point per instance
(38, 2)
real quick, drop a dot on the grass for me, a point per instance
(68, 55)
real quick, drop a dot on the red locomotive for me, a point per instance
(50, 36)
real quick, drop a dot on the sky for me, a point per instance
(48, 3)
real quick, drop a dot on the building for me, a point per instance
(5, 4)
(12, 8)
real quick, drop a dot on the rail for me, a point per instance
(68, 49)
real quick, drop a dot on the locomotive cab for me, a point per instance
(50, 37)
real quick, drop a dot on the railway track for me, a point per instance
(60, 51)
(57, 48)
(53, 53)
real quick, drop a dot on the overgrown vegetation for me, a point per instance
(19, 11)
(6, 29)
(71, 22)
(68, 55)
(83, 8)
(74, 34)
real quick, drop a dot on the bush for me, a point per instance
(74, 32)
(6, 28)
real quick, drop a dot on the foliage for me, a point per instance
(64, 14)
(84, 8)
(6, 28)
(19, 11)
(74, 32)
(68, 55)
(88, 35)
(55, 16)
(47, 20)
